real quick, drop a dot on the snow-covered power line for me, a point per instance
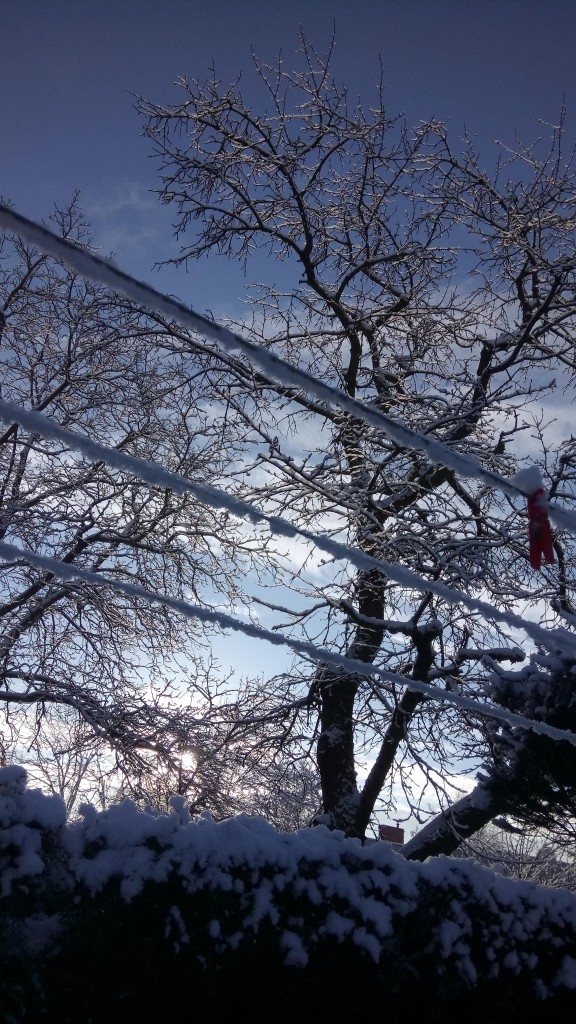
(71, 573)
(271, 365)
(157, 476)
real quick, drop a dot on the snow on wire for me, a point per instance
(157, 476)
(70, 574)
(274, 368)
(271, 365)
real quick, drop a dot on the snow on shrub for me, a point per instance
(205, 890)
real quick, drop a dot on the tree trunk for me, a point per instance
(396, 732)
(450, 828)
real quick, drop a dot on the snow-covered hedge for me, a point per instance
(142, 910)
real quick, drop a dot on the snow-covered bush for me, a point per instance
(534, 777)
(144, 909)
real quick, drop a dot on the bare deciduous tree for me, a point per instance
(412, 279)
(81, 354)
(521, 854)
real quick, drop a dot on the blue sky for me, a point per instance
(68, 67)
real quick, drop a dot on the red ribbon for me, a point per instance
(539, 530)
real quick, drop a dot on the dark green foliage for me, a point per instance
(121, 959)
(534, 776)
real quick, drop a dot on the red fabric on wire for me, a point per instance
(539, 530)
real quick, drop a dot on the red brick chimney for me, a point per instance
(391, 834)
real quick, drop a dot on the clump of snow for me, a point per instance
(31, 806)
(567, 974)
(529, 479)
(25, 815)
(13, 779)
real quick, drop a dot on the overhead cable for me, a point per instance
(71, 573)
(270, 364)
(157, 476)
